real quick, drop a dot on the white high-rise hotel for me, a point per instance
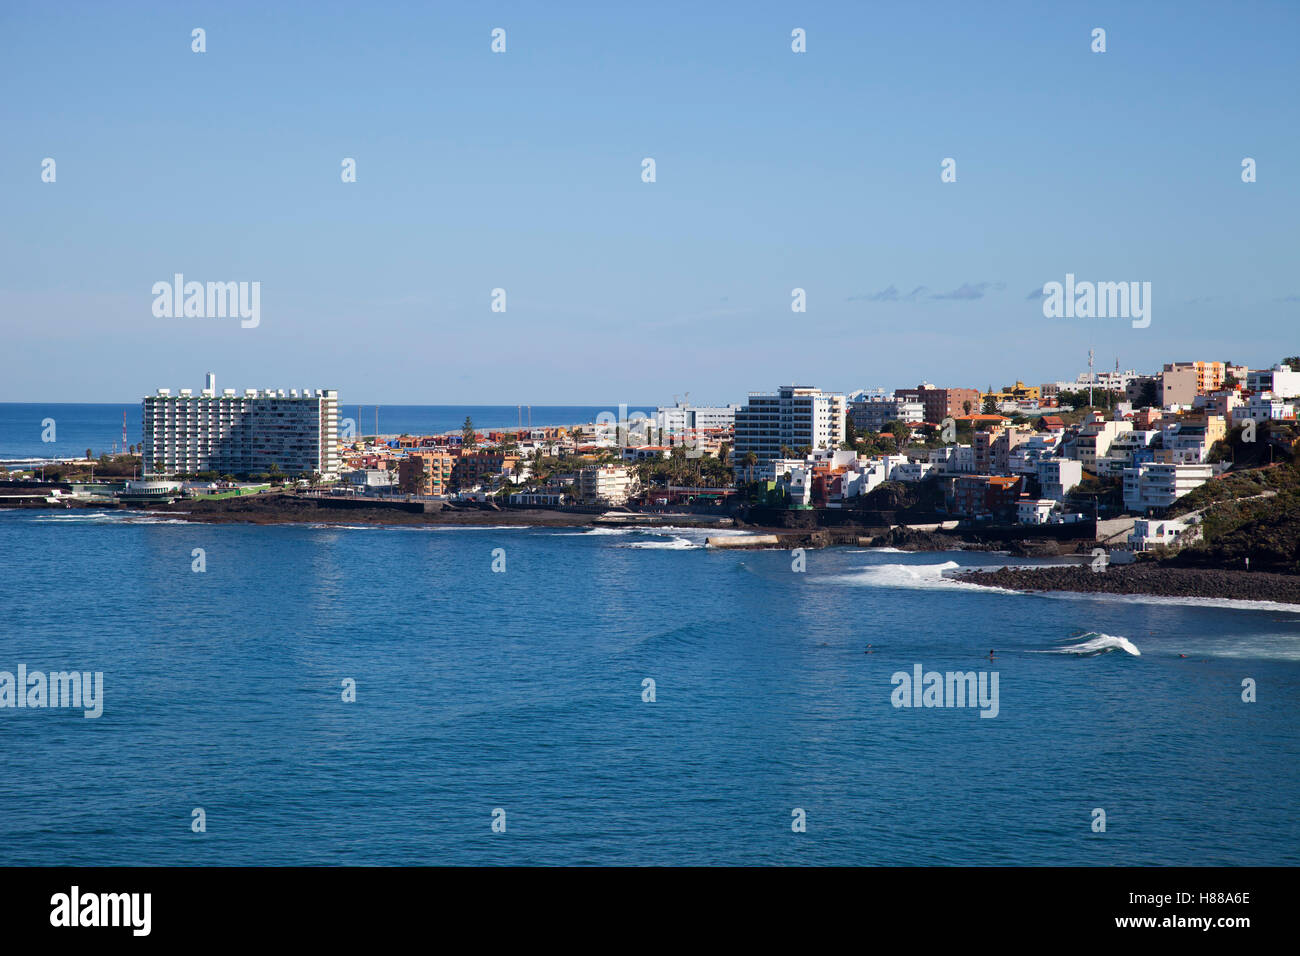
(241, 434)
(795, 416)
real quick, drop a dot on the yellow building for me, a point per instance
(1020, 392)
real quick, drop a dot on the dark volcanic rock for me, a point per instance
(1145, 579)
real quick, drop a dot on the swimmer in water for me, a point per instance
(868, 650)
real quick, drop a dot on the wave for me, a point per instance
(905, 576)
(1097, 643)
(673, 544)
(1228, 604)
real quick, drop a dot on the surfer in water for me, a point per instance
(868, 650)
(991, 655)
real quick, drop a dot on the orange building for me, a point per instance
(426, 471)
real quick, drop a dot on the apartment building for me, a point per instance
(986, 495)
(1020, 392)
(1263, 408)
(1057, 477)
(1095, 438)
(426, 471)
(684, 419)
(1281, 380)
(472, 469)
(874, 413)
(1157, 485)
(236, 434)
(1128, 449)
(606, 484)
(1190, 439)
(941, 403)
(794, 416)
(993, 447)
(1181, 382)
(953, 459)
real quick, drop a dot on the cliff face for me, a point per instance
(1254, 514)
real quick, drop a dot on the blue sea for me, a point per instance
(24, 426)
(519, 696)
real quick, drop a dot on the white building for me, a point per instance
(606, 484)
(1057, 477)
(1127, 447)
(953, 459)
(686, 419)
(1171, 532)
(1024, 458)
(1034, 510)
(1094, 440)
(1157, 485)
(1264, 407)
(794, 416)
(241, 434)
(370, 479)
(1281, 380)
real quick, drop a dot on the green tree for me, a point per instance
(468, 437)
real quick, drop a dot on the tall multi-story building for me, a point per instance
(794, 416)
(993, 447)
(684, 420)
(1157, 485)
(472, 469)
(941, 403)
(241, 434)
(872, 413)
(606, 484)
(1181, 382)
(1095, 438)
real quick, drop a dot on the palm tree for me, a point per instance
(750, 461)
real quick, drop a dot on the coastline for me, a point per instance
(1144, 579)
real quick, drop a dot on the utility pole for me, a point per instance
(1092, 377)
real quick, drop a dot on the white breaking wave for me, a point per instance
(1097, 644)
(1230, 604)
(905, 576)
(674, 544)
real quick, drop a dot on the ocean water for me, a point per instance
(522, 691)
(97, 427)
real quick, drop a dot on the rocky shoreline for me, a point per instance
(1146, 579)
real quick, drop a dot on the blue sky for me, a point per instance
(522, 171)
